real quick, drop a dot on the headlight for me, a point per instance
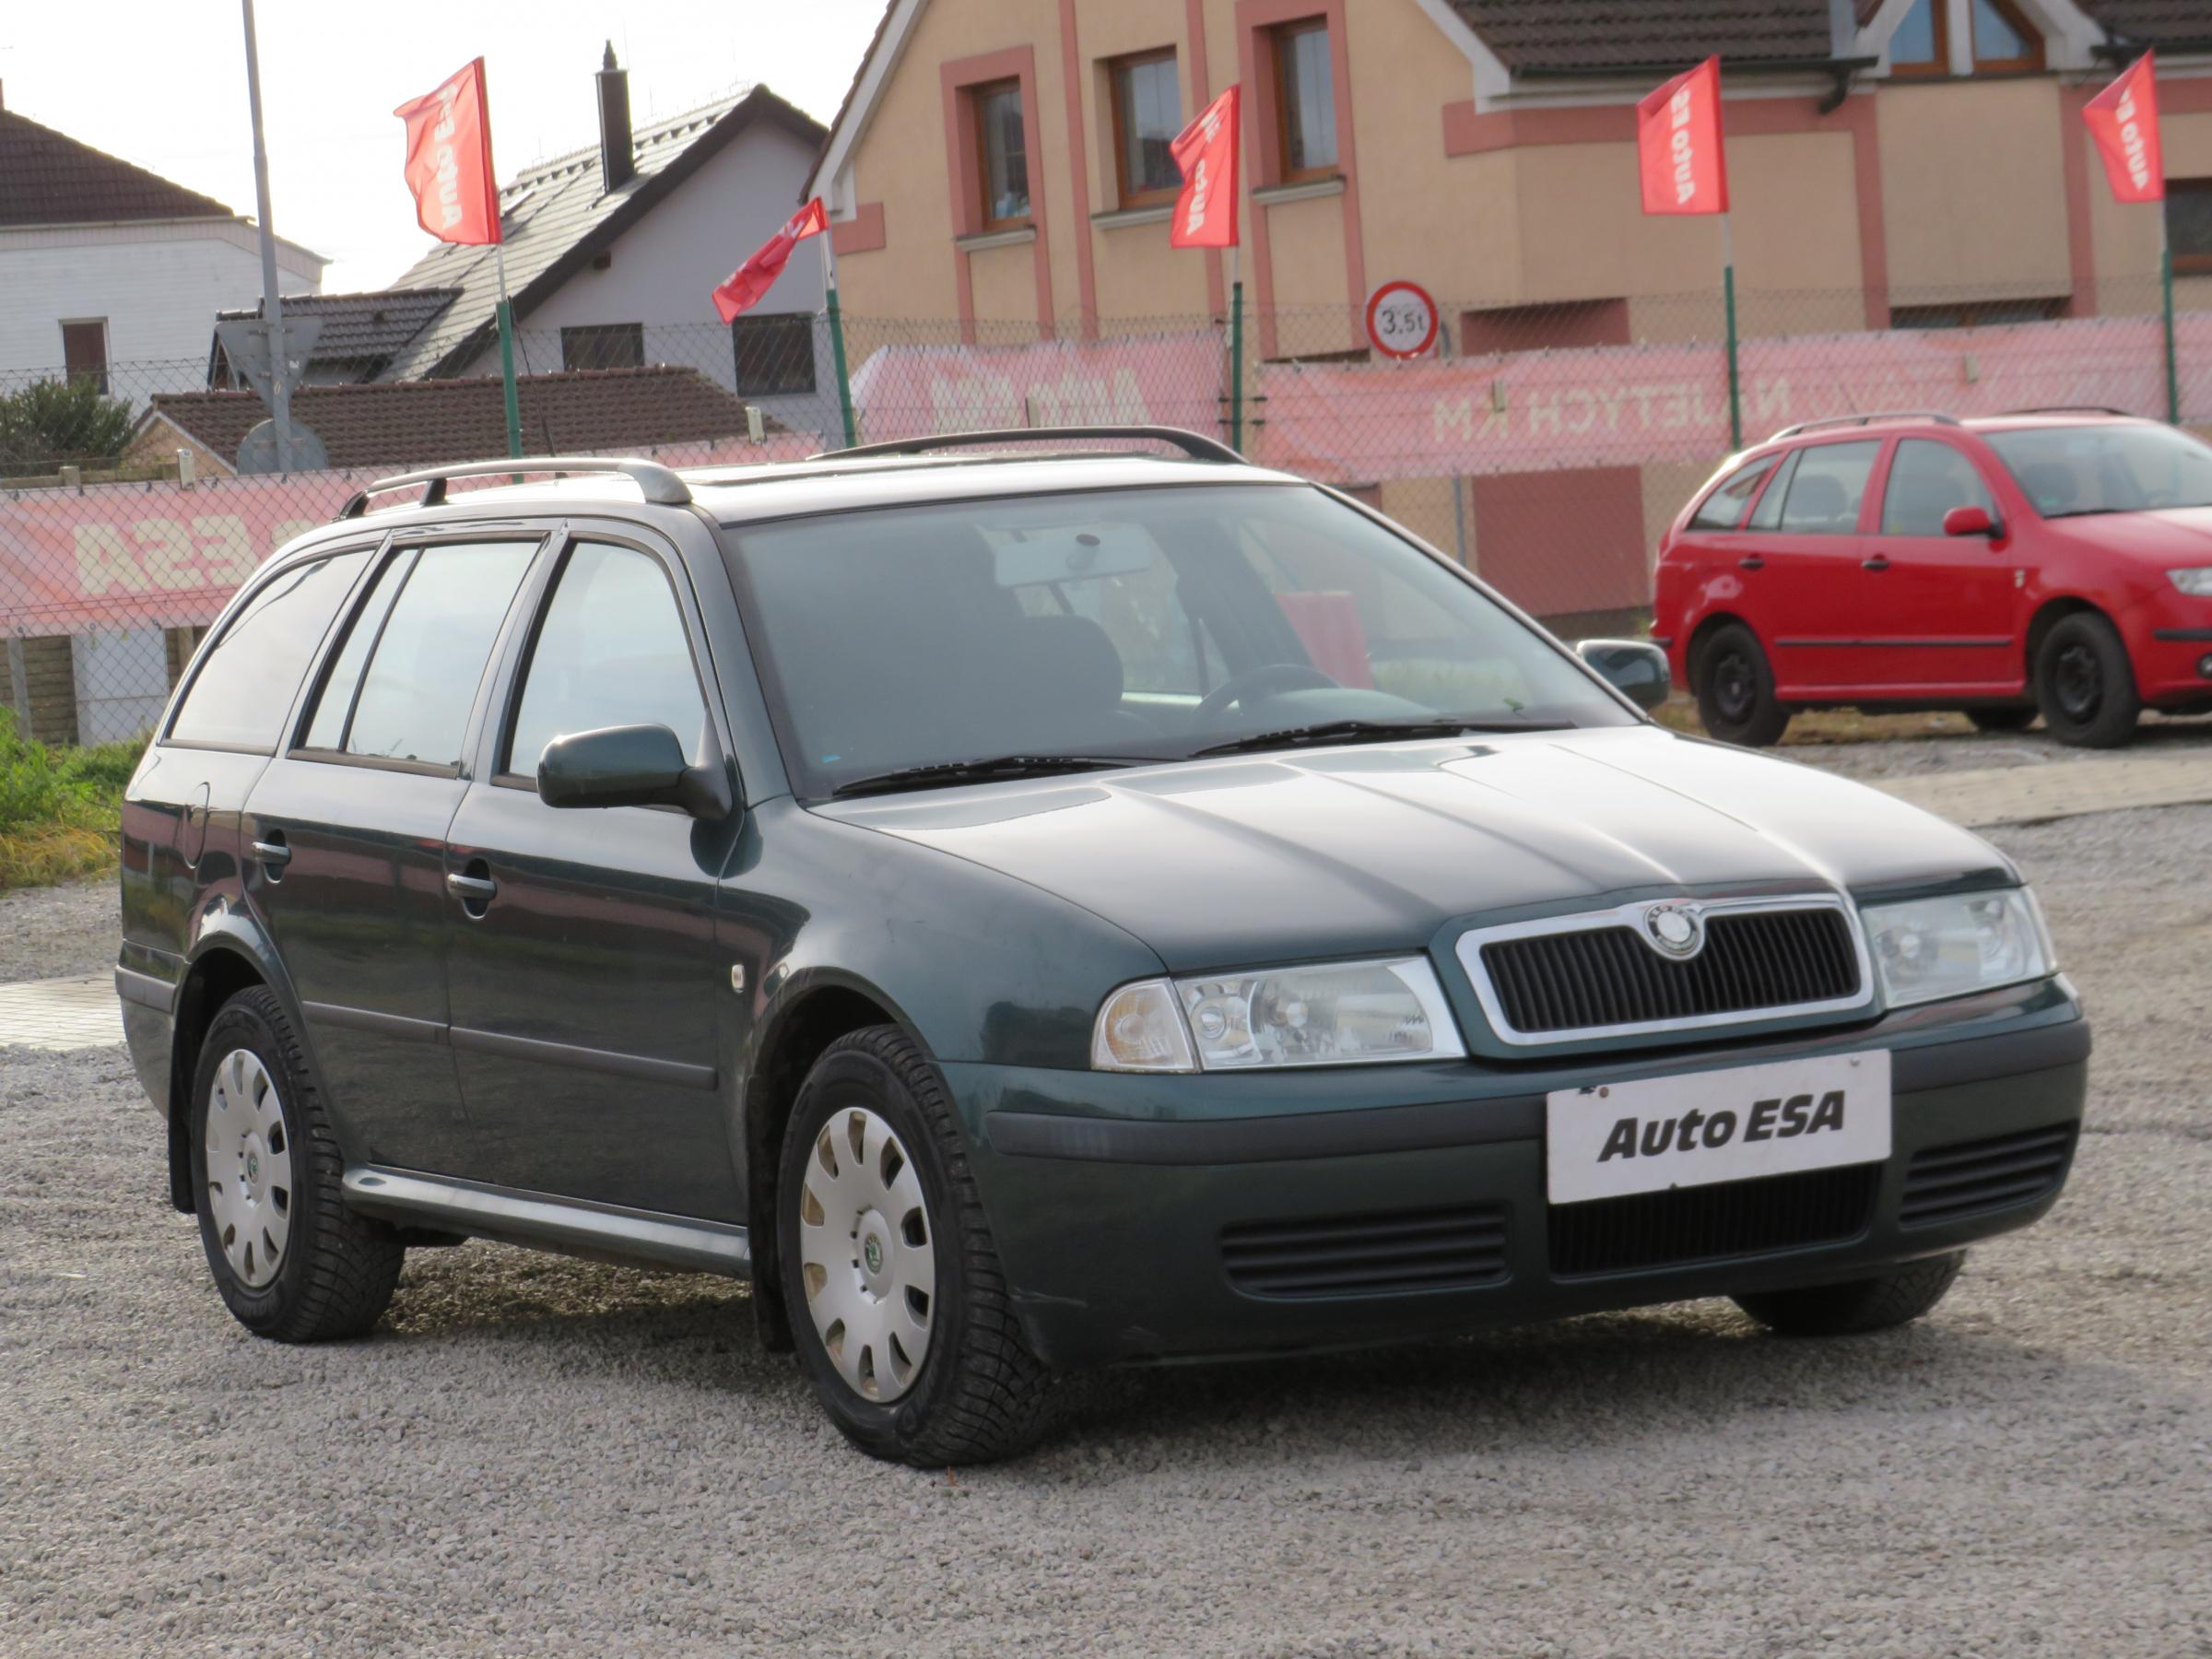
(1333, 1014)
(2197, 582)
(1936, 947)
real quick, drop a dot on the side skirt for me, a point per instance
(539, 1221)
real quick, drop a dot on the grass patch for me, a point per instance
(60, 809)
(1832, 725)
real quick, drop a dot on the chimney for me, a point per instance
(618, 164)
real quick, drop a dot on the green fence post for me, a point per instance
(837, 351)
(2173, 377)
(1236, 366)
(514, 407)
(1735, 384)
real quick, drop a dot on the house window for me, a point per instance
(1002, 149)
(775, 353)
(1148, 114)
(85, 351)
(1922, 44)
(2189, 225)
(603, 345)
(2004, 40)
(1305, 102)
(1977, 314)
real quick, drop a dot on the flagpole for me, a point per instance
(1236, 352)
(1735, 393)
(2173, 382)
(506, 316)
(837, 337)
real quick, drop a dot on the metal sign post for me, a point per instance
(272, 303)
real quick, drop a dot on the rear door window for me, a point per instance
(411, 699)
(1723, 509)
(1826, 489)
(238, 697)
(1926, 480)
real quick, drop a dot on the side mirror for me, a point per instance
(1636, 669)
(1971, 521)
(630, 766)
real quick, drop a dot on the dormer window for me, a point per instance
(1996, 38)
(2004, 40)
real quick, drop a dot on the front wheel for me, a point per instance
(290, 1260)
(901, 1311)
(1869, 1304)
(2085, 685)
(1736, 690)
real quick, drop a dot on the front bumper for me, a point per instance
(1116, 1202)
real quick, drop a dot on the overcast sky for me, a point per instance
(162, 83)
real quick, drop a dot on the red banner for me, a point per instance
(1206, 212)
(449, 159)
(1678, 145)
(2124, 119)
(758, 273)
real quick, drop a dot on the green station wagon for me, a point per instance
(1030, 910)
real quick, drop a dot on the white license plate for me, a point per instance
(1656, 1133)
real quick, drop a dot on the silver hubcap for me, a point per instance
(249, 1168)
(866, 1254)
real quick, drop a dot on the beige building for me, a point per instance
(1894, 163)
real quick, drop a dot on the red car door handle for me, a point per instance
(1751, 561)
(1878, 563)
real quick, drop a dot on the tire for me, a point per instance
(974, 1392)
(275, 1179)
(2085, 685)
(1873, 1304)
(1736, 690)
(2001, 720)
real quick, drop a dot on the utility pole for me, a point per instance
(272, 303)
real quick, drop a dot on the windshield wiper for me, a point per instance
(983, 772)
(2090, 511)
(1372, 731)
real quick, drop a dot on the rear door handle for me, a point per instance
(1751, 561)
(272, 853)
(478, 890)
(1880, 561)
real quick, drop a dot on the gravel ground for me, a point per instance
(1967, 750)
(542, 1456)
(53, 933)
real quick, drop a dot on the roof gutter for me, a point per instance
(2113, 52)
(1814, 65)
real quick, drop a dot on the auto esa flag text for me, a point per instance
(449, 159)
(2124, 119)
(758, 273)
(1206, 212)
(1678, 145)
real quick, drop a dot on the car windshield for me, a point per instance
(1031, 632)
(2071, 471)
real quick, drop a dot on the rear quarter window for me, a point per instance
(1723, 509)
(238, 697)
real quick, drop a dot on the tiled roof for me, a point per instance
(1599, 34)
(556, 218)
(48, 178)
(412, 423)
(2152, 22)
(362, 328)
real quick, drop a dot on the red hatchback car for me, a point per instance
(2057, 561)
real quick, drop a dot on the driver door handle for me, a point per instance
(480, 889)
(1880, 561)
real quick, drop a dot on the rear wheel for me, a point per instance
(1736, 690)
(2001, 720)
(1870, 1304)
(2085, 685)
(900, 1308)
(290, 1260)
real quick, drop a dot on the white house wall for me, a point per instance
(666, 266)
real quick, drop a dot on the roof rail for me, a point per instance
(1834, 420)
(2075, 409)
(1196, 447)
(657, 483)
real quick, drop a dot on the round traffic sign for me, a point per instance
(1401, 320)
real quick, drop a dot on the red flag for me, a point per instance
(759, 273)
(2124, 119)
(1206, 212)
(1678, 145)
(449, 159)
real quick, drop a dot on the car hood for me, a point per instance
(1273, 857)
(2160, 536)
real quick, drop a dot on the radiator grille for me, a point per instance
(1942, 1183)
(1608, 976)
(1368, 1256)
(1712, 1223)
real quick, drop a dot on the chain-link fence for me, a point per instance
(1545, 446)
